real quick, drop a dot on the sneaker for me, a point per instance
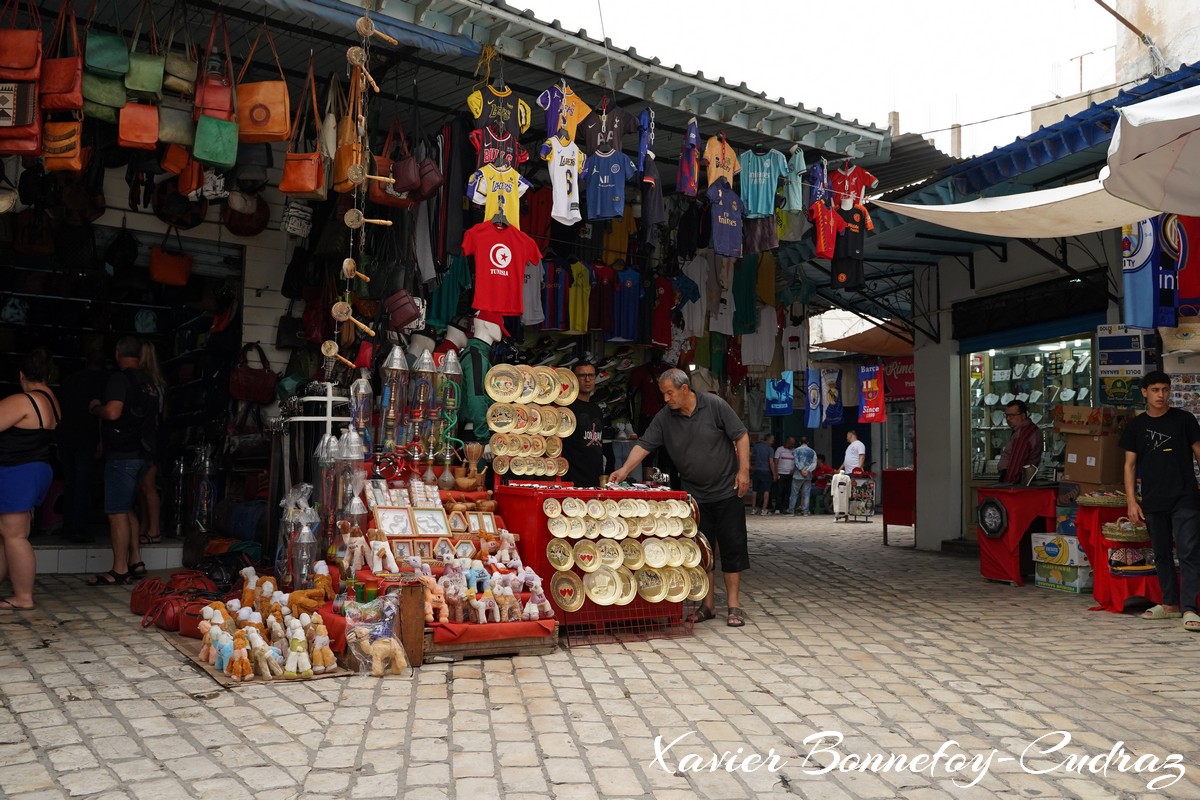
(777, 511)
(547, 360)
(569, 362)
(602, 376)
(565, 344)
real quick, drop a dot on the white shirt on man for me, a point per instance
(856, 455)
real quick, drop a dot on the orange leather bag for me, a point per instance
(174, 158)
(214, 90)
(138, 128)
(350, 149)
(61, 87)
(304, 173)
(20, 49)
(62, 149)
(264, 108)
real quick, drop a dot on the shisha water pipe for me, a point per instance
(449, 386)
(391, 408)
(420, 403)
(327, 475)
(362, 406)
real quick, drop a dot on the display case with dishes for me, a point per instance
(1042, 375)
(529, 418)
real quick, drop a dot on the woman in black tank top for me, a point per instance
(27, 423)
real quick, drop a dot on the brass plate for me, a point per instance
(698, 579)
(656, 553)
(535, 420)
(521, 415)
(612, 507)
(628, 587)
(566, 422)
(563, 466)
(675, 555)
(568, 386)
(549, 422)
(706, 553)
(551, 507)
(560, 555)
(539, 467)
(609, 528)
(591, 528)
(587, 557)
(691, 553)
(574, 507)
(595, 509)
(558, 527)
(567, 590)
(643, 508)
(551, 466)
(500, 464)
(652, 584)
(603, 586)
(537, 445)
(548, 387)
(611, 554)
(516, 466)
(529, 385)
(674, 526)
(628, 507)
(634, 557)
(678, 584)
(575, 528)
(503, 383)
(689, 527)
(622, 528)
(646, 526)
(500, 417)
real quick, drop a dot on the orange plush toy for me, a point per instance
(239, 667)
(322, 656)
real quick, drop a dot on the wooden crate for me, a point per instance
(535, 646)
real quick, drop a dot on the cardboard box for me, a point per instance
(1060, 549)
(1064, 519)
(1068, 491)
(1075, 580)
(1098, 421)
(1093, 459)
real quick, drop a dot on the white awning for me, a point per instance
(1062, 211)
(1154, 156)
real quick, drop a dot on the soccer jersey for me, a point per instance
(847, 262)
(556, 284)
(604, 129)
(606, 175)
(500, 108)
(550, 101)
(852, 183)
(645, 136)
(758, 347)
(793, 183)
(726, 213)
(498, 190)
(443, 306)
(497, 147)
(720, 160)
(664, 301)
(626, 301)
(760, 176)
(538, 204)
(578, 296)
(532, 295)
(564, 162)
(694, 314)
(827, 225)
(500, 258)
(795, 348)
(600, 302)
(564, 110)
(654, 210)
(689, 161)
(818, 183)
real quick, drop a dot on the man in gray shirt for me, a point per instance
(711, 450)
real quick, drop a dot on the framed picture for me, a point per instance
(488, 522)
(464, 549)
(430, 522)
(423, 548)
(443, 550)
(402, 547)
(474, 524)
(458, 522)
(394, 521)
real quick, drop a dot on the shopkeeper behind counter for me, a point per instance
(1024, 449)
(584, 448)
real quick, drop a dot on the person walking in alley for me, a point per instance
(802, 480)
(1160, 446)
(711, 449)
(762, 474)
(785, 466)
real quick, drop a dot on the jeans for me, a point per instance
(801, 489)
(1184, 523)
(781, 493)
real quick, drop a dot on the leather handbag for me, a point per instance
(144, 80)
(249, 222)
(20, 48)
(176, 208)
(102, 90)
(99, 111)
(350, 149)
(105, 54)
(138, 128)
(165, 612)
(404, 170)
(214, 89)
(146, 594)
(431, 177)
(190, 617)
(253, 384)
(62, 146)
(23, 135)
(180, 69)
(304, 173)
(216, 142)
(289, 334)
(264, 108)
(335, 108)
(167, 268)
(175, 158)
(191, 580)
(175, 122)
(191, 179)
(61, 85)
(401, 310)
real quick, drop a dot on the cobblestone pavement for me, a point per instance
(896, 650)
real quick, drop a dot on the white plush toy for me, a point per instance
(297, 663)
(249, 586)
(265, 665)
(508, 547)
(383, 560)
(538, 597)
(278, 633)
(485, 608)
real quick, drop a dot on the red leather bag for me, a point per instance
(61, 86)
(146, 593)
(165, 612)
(167, 268)
(191, 580)
(253, 384)
(304, 173)
(190, 618)
(138, 128)
(175, 159)
(20, 49)
(214, 90)
(404, 170)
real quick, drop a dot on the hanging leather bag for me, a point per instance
(170, 268)
(335, 106)
(177, 208)
(216, 142)
(253, 384)
(105, 54)
(264, 108)
(61, 85)
(404, 170)
(99, 90)
(144, 80)
(138, 126)
(304, 173)
(350, 150)
(289, 334)
(401, 310)
(214, 91)
(175, 122)
(180, 69)
(23, 137)
(62, 146)
(174, 158)
(20, 48)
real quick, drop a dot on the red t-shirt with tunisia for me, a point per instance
(500, 258)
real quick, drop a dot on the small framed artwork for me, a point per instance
(474, 523)
(402, 546)
(487, 522)
(464, 549)
(443, 550)
(423, 548)
(430, 522)
(394, 521)
(458, 522)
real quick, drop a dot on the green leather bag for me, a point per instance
(105, 54)
(175, 123)
(100, 112)
(181, 68)
(144, 80)
(216, 142)
(105, 91)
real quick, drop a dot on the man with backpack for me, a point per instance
(128, 427)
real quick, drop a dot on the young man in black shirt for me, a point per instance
(1161, 445)
(584, 449)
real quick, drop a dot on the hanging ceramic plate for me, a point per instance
(574, 507)
(500, 464)
(587, 557)
(1066, 395)
(548, 387)
(651, 583)
(997, 417)
(551, 466)
(656, 553)
(521, 417)
(503, 383)
(611, 554)
(628, 587)
(689, 527)
(576, 529)
(563, 466)
(500, 417)
(1006, 398)
(516, 465)
(691, 553)
(553, 446)
(568, 386)
(529, 384)
(549, 422)
(1035, 369)
(609, 528)
(602, 586)
(537, 446)
(674, 526)
(558, 527)
(551, 508)
(678, 584)
(560, 555)
(535, 420)
(634, 556)
(499, 444)
(591, 528)
(1019, 369)
(990, 399)
(674, 553)
(646, 526)
(567, 590)
(643, 508)
(1068, 365)
(1034, 396)
(566, 422)
(698, 580)
(628, 508)
(595, 508)
(610, 506)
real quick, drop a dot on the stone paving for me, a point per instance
(896, 651)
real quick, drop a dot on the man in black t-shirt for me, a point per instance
(584, 448)
(1161, 446)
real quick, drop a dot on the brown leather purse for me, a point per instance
(264, 108)
(62, 146)
(350, 149)
(61, 86)
(304, 173)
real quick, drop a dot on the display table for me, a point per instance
(1109, 591)
(899, 499)
(1007, 515)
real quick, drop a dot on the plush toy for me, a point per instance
(264, 593)
(322, 656)
(435, 600)
(238, 666)
(508, 547)
(417, 565)
(518, 578)
(278, 633)
(530, 612)
(297, 664)
(376, 535)
(243, 616)
(382, 558)
(305, 601)
(453, 574)
(382, 651)
(538, 598)
(479, 580)
(207, 627)
(323, 580)
(506, 602)
(224, 652)
(233, 606)
(218, 606)
(358, 551)
(262, 657)
(249, 587)
(485, 608)
(256, 623)
(456, 599)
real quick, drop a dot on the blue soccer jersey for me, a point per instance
(626, 304)
(605, 176)
(760, 176)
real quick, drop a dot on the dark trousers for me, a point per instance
(78, 468)
(1178, 530)
(781, 495)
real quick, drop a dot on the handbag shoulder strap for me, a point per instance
(335, 101)
(118, 29)
(166, 236)
(250, 56)
(178, 20)
(310, 88)
(143, 11)
(57, 39)
(12, 9)
(262, 355)
(219, 22)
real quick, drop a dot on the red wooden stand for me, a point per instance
(1029, 510)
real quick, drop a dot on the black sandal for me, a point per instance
(703, 614)
(737, 617)
(146, 538)
(137, 570)
(110, 578)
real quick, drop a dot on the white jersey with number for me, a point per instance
(565, 162)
